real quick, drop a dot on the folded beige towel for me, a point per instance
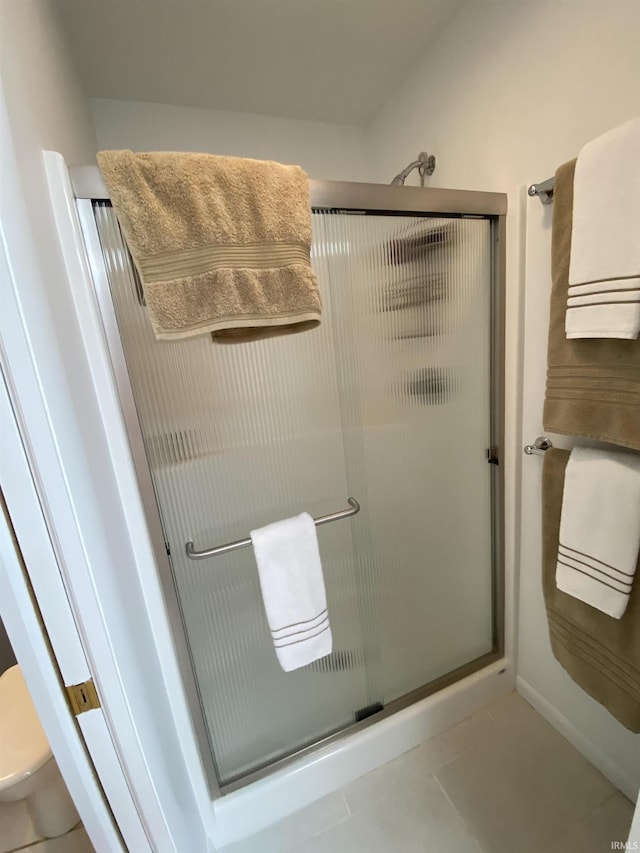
(601, 654)
(593, 386)
(222, 244)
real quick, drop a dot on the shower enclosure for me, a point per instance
(395, 401)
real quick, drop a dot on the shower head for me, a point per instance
(425, 164)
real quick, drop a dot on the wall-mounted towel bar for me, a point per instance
(354, 508)
(544, 191)
(539, 446)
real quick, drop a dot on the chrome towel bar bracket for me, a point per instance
(539, 446)
(192, 554)
(543, 190)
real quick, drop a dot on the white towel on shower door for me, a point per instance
(293, 590)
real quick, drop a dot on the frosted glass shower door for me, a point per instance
(411, 302)
(238, 436)
(388, 401)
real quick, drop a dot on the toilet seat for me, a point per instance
(24, 747)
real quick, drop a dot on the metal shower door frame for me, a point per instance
(336, 197)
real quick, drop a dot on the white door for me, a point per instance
(50, 652)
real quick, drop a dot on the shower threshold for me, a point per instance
(318, 771)
(336, 739)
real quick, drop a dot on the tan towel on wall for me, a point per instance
(222, 244)
(593, 386)
(601, 654)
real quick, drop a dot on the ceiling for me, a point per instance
(329, 60)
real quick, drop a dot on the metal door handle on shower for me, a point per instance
(354, 508)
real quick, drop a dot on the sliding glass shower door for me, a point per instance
(388, 401)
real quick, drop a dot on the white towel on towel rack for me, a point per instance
(293, 590)
(604, 270)
(600, 528)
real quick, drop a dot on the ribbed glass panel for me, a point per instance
(387, 401)
(411, 302)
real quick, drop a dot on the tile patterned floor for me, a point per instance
(503, 781)
(17, 834)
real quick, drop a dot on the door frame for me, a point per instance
(67, 423)
(33, 602)
(100, 285)
(34, 632)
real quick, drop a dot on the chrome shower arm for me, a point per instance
(425, 164)
(401, 177)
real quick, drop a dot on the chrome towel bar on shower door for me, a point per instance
(354, 507)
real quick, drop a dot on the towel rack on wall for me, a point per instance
(539, 446)
(354, 508)
(544, 191)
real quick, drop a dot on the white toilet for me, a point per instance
(28, 770)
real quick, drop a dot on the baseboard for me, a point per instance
(614, 773)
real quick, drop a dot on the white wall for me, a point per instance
(44, 97)
(47, 109)
(509, 91)
(326, 151)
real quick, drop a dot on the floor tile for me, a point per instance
(410, 769)
(399, 774)
(503, 781)
(403, 821)
(511, 711)
(609, 822)
(523, 786)
(355, 835)
(296, 829)
(16, 828)
(76, 841)
(444, 748)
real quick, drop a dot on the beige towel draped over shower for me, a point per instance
(222, 244)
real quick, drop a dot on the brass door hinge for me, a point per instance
(82, 697)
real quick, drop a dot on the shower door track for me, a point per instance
(336, 197)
